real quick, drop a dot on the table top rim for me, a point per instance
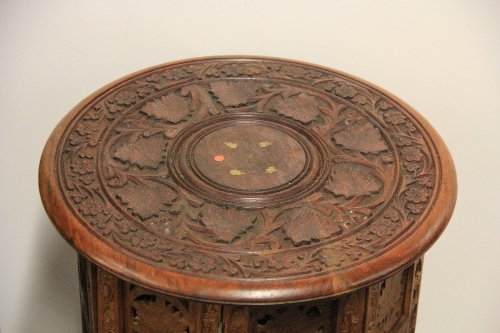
(263, 290)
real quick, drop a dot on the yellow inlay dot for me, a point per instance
(264, 144)
(271, 169)
(236, 172)
(231, 144)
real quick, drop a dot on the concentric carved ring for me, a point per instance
(249, 160)
(233, 173)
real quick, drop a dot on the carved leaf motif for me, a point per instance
(114, 176)
(306, 224)
(353, 182)
(226, 224)
(172, 108)
(365, 138)
(233, 93)
(210, 319)
(200, 100)
(238, 321)
(143, 153)
(152, 316)
(146, 201)
(301, 107)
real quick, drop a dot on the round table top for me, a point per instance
(247, 180)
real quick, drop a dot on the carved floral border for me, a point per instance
(354, 121)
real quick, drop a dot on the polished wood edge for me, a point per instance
(240, 291)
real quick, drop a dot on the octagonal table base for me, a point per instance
(111, 305)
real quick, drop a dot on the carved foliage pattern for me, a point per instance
(236, 319)
(157, 313)
(108, 302)
(116, 176)
(391, 300)
(392, 303)
(388, 306)
(211, 319)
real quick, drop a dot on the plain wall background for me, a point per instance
(441, 57)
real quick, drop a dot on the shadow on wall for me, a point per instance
(51, 285)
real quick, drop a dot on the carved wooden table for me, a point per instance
(247, 195)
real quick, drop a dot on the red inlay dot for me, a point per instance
(219, 158)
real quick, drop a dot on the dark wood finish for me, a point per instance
(387, 306)
(246, 181)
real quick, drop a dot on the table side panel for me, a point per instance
(110, 305)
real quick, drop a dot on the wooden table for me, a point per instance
(247, 195)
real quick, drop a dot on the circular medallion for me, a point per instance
(255, 158)
(249, 160)
(247, 180)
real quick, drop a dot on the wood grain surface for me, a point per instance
(247, 181)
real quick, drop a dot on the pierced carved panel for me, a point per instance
(108, 302)
(351, 312)
(386, 307)
(391, 302)
(317, 317)
(152, 312)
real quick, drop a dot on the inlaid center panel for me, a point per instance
(249, 160)
(249, 157)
